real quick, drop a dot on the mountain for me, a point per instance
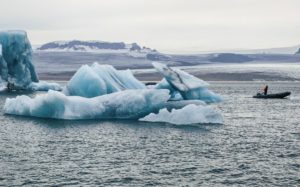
(68, 56)
(93, 46)
(298, 52)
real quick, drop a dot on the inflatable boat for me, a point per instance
(272, 96)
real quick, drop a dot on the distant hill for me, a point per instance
(93, 46)
(298, 52)
(279, 50)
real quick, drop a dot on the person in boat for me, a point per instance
(266, 90)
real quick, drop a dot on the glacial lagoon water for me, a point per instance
(259, 145)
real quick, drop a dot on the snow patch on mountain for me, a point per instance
(94, 46)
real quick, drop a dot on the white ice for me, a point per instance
(190, 114)
(96, 80)
(44, 86)
(128, 104)
(182, 103)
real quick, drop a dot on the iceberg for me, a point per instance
(16, 68)
(190, 114)
(15, 61)
(184, 86)
(95, 80)
(128, 104)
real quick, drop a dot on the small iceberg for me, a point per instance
(184, 86)
(190, 114)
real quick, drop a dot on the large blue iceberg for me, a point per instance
(16, 68)
(128, 104)
(184, 86)
(96, 80)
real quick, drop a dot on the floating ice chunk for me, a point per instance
(44, 86)
(128, 104)
(188, 86)
(190, 114)
(96, 80)
(179, 79)
(15, 59)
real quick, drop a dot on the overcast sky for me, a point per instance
(167, 25)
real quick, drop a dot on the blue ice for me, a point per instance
(128, 104)
(96, 80)
(16, 65)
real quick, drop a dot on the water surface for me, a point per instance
(257, 146)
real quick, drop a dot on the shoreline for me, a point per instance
(155, 77)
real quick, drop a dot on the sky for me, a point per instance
(174, 26)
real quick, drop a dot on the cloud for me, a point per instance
(168, 25)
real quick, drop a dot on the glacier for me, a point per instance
(190, 114)
(183, 85)
(96, 80)
(16, 68)
(128, 104)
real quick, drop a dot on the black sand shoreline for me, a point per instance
(154, 77)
